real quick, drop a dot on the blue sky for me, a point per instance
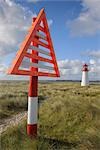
(74, 27)
(61, 12)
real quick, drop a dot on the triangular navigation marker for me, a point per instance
(36, 46)
(36, 57)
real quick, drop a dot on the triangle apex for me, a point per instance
(42, 10)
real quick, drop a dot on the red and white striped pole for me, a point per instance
(33, 100)
(32, 107)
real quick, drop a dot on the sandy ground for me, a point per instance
(16, 119)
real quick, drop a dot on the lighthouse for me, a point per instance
(85, 79)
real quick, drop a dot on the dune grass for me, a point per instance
(13, 98)
(69, 118)
(72, 114)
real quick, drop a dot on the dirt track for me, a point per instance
(12, 121)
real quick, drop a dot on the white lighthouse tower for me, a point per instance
(85, 79)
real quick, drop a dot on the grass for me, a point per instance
(13, 98)
(15, 139)
(69, 117)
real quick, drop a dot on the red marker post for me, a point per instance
(38, 48)
(33, 98)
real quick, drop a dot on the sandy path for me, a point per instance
(16, 119)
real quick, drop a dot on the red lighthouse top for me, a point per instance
(85, 67)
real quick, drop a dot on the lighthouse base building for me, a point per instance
(85, 79)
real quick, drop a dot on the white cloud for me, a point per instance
(92, 62)
(93, 53)
(50, 22)
(9, 2)
(70, 69)
(13, 25)
(88, 21)
(3, 68)
(94, 71)
(14, 22)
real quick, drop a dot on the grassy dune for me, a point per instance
(69, 117)
(72, 114)
(13, 98)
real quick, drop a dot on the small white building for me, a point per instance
(85, 79)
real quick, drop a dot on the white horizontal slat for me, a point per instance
(39, 50)
(26, 64)
(41, 35)
(41, 66)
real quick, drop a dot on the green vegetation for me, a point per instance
(69, 117)
(72, 114)
(13, 98)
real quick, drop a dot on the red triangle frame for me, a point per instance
(31, 37)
